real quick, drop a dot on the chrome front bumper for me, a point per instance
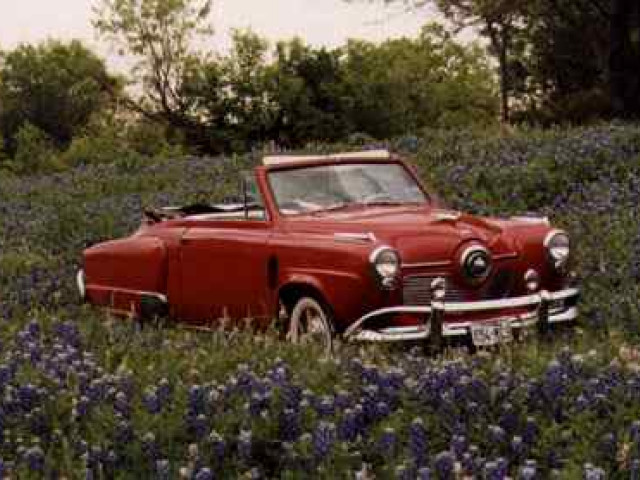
(545, 305)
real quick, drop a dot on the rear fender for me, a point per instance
(119, 274)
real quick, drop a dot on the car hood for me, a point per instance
(418, 233)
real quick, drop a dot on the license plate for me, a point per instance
(486, 335)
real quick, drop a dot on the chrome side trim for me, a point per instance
(355, 237)
(160, 296)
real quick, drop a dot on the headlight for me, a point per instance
(558, 248)
(386, 263)
(476, 263)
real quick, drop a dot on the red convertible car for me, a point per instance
(348, 245)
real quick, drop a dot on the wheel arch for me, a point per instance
(292, 291)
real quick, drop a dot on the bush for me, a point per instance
(109, 139)
(35, 152)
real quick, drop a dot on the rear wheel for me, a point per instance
(310, 323)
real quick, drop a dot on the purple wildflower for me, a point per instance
(204, 474)
(289, 425)
(152, 402)
(418, 441)
(324, 437)
(348, 426)
(387, 442)
(218, 447)
(444, 464)
(34, 457)
(425, 474)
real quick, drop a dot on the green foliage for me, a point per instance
(34, 151)
(159, 35)
(310, 91)
(53, 86)
(233, 94)
(404, 85)
(108, 139)
(306, 94)
(558, 61)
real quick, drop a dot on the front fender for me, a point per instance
(346, 293)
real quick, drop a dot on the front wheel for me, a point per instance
(310, 323)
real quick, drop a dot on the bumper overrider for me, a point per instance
(542, 310)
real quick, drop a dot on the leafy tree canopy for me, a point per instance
(160, 37)
(55, 87)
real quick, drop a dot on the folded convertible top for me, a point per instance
(168, 213)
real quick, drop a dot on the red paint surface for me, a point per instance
(210, 268)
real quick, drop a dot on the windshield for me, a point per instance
(331, 187)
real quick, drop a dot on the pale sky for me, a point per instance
(319, 22)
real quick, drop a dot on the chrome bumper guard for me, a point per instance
(436, 326)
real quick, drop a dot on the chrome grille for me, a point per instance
(417, 289)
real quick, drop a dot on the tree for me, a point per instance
(565, 71)
(405, 85)
(248, 96)
(233, 95)
(558, 60)
(308, 87)
(498, 20)
(56, 87)
(34, 151)
(159, 35)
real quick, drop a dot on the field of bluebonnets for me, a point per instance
(86, 396)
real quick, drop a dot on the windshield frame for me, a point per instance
(335, 163)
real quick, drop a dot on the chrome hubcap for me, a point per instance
(309, 326)
(313, 325)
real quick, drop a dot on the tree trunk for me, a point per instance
(500, 45)
(504, 80)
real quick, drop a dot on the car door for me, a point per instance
(225, 269)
